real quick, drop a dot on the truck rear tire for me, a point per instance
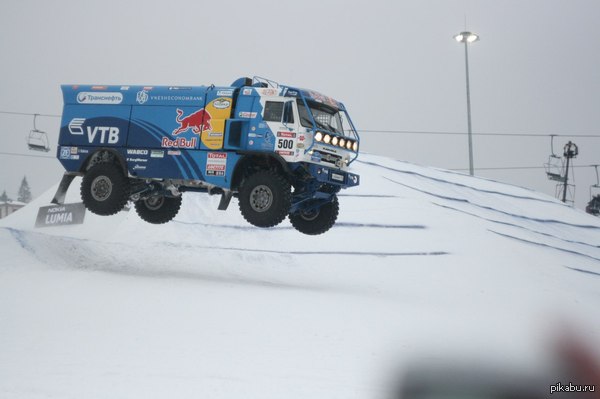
(265, 198)
(104, 189)
(158, 209)
(317, 221)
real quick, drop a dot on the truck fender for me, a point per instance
(254, 160)
(100, 153)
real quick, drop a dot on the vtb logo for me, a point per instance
(103, 134)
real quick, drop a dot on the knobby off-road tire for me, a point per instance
(158, 209)
(104, 189)
(317, 221)
(265, 198)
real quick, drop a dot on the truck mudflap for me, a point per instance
(333, 176)
(63, 186)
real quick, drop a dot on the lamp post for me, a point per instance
(466, 38)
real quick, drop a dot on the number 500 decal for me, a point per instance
(286, 144)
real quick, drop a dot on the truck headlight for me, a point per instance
(355, 146)
(334, 140)
(349, 144)
(318, 136)
(327, 139)
(342, 143)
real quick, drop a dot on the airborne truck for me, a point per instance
(280, 150)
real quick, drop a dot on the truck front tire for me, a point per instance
(158, 209)
(265, 198)
(104, 189)
(317, 221)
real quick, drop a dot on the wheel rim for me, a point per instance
(154, 203)
(101, 188)
(310, 215)
(261, 198)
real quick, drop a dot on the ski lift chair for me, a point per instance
(555, 167)
(37, 140)
(593, 207)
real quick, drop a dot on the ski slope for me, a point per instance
(422, 263)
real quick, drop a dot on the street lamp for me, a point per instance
(466, 38)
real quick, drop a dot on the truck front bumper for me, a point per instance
(333, 176)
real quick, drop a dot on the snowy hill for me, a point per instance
(421, 261)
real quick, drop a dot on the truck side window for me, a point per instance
(273, 111)
(288, 113)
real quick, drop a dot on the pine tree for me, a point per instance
(24, 191)
(4, 197)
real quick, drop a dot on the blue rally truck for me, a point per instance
(280, 150)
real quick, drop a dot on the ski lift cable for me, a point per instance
(29, 114)
(541, 135)
(15, 154)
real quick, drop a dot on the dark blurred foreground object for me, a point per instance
(575, 374)
(475, 382)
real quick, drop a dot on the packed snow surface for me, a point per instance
(421, 263)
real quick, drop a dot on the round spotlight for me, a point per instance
(342, 143)
(318, 136)
(355, 146)
(334, 140)
(349, 144)
(327, 139)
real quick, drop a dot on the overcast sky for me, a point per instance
(393, 63)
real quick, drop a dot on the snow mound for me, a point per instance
(208, 303)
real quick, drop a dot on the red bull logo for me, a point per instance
(198, 121)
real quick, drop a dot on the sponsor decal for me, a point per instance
(137, 152)
(148, 88)
(251, 142)
(197, 121)
(139, 167)
(75, 126)
(69, 153)
(177, 98)
(124, 88)
(247, 114)
(224, 93)
(221, 103)
(59, 215)
(180, 142)
(293, 93)
(86, 97)
(301, 137)
(99, 87)
(268, 92)
(180, 88)
(246, 92)
(300, 145)
(65, 152)
(215, 134)
(280, 152)
(174, 152)
(286, 134)
(141, 97)
(137, 160)
(157, 154)
(216, 163)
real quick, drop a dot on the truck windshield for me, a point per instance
(325, 117)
